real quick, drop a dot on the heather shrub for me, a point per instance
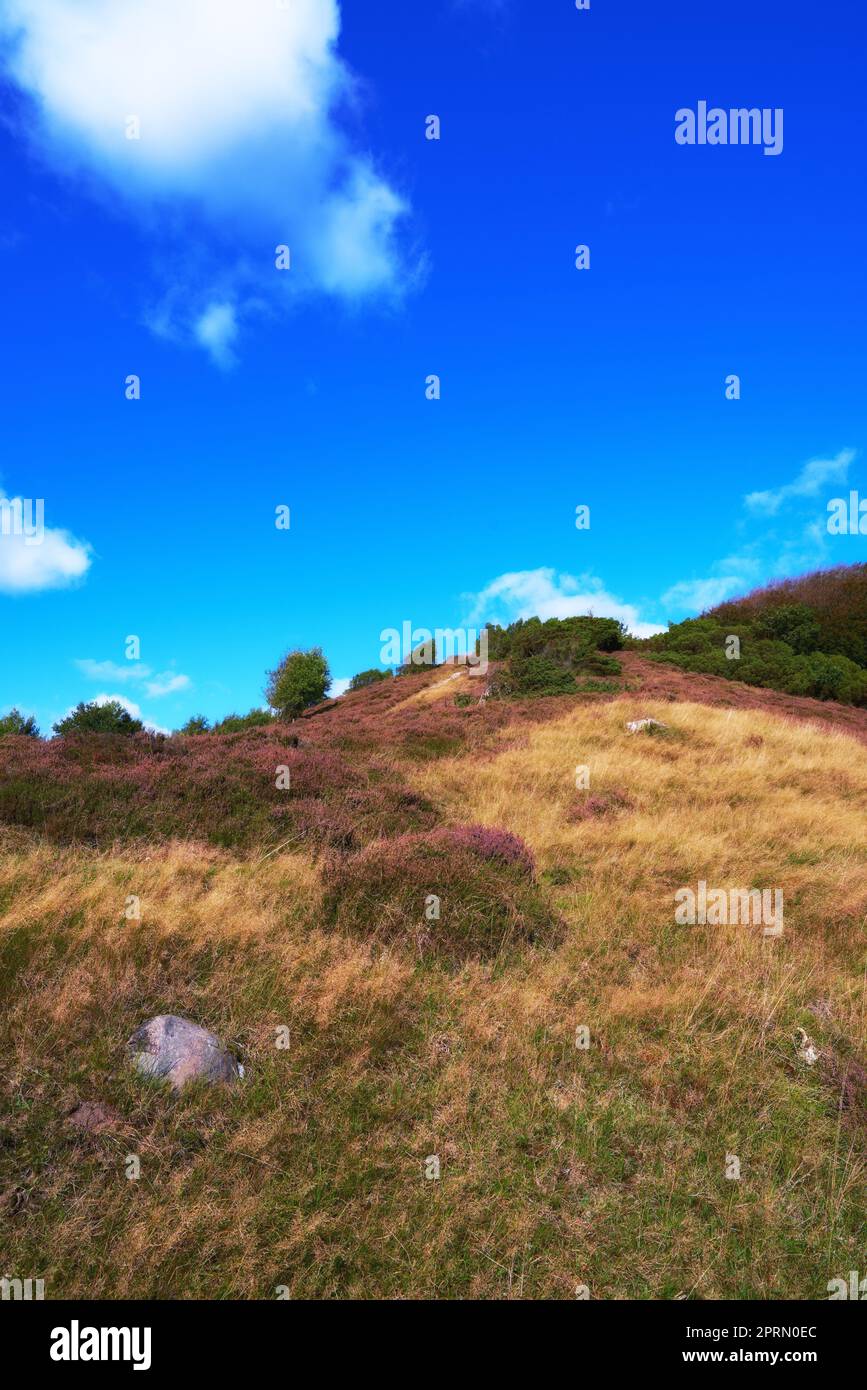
(597, 805)
(221, 788)
(479, 881)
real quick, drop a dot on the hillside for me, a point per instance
(560, 1165)
(804, 636)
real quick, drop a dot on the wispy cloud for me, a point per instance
(765, 553)
(233, 113)
(815, 475)
(694, 595)
(543, 593)
(155, 684)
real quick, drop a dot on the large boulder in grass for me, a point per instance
(179, 1051)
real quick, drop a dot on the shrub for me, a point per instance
(482, 879)
(366, 678)
(15, 723)
(240, 723)
(540, 675)
(793, 623)
(298, 682)
(786, 643)
(107, 718)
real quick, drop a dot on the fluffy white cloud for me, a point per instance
(34, 556)
(338, 687)
(233, 107)
(542, 593)
(815, 475)
(156, 684)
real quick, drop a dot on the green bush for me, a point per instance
(557, 657)
(777, 651)
(109, 718)
(371, 677)
(238, 723)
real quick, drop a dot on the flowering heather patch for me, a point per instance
(218, 788)
(454, 893)
(350, 767)
(493, 844)
(598, 804)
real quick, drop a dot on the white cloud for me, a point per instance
(542, 593)
(33, 557)
(156, 683)
(815, 475)
(338, 687)
(239, 147)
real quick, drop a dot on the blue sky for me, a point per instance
(262, 125)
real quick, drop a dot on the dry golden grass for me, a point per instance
(559, 1166)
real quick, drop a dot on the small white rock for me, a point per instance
(808, 1052)
(635, 726)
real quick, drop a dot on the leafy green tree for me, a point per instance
(197, 724)
(371, 677)
(110, 718)
(15, 723)
(299, 681)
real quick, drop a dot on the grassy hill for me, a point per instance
(304, 909)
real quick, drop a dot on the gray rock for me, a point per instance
(180, 1051)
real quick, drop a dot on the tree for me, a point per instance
(109, 718)
(15, 723)
(421, 658)
(299, 681)
(371, 677)
(196, 724)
